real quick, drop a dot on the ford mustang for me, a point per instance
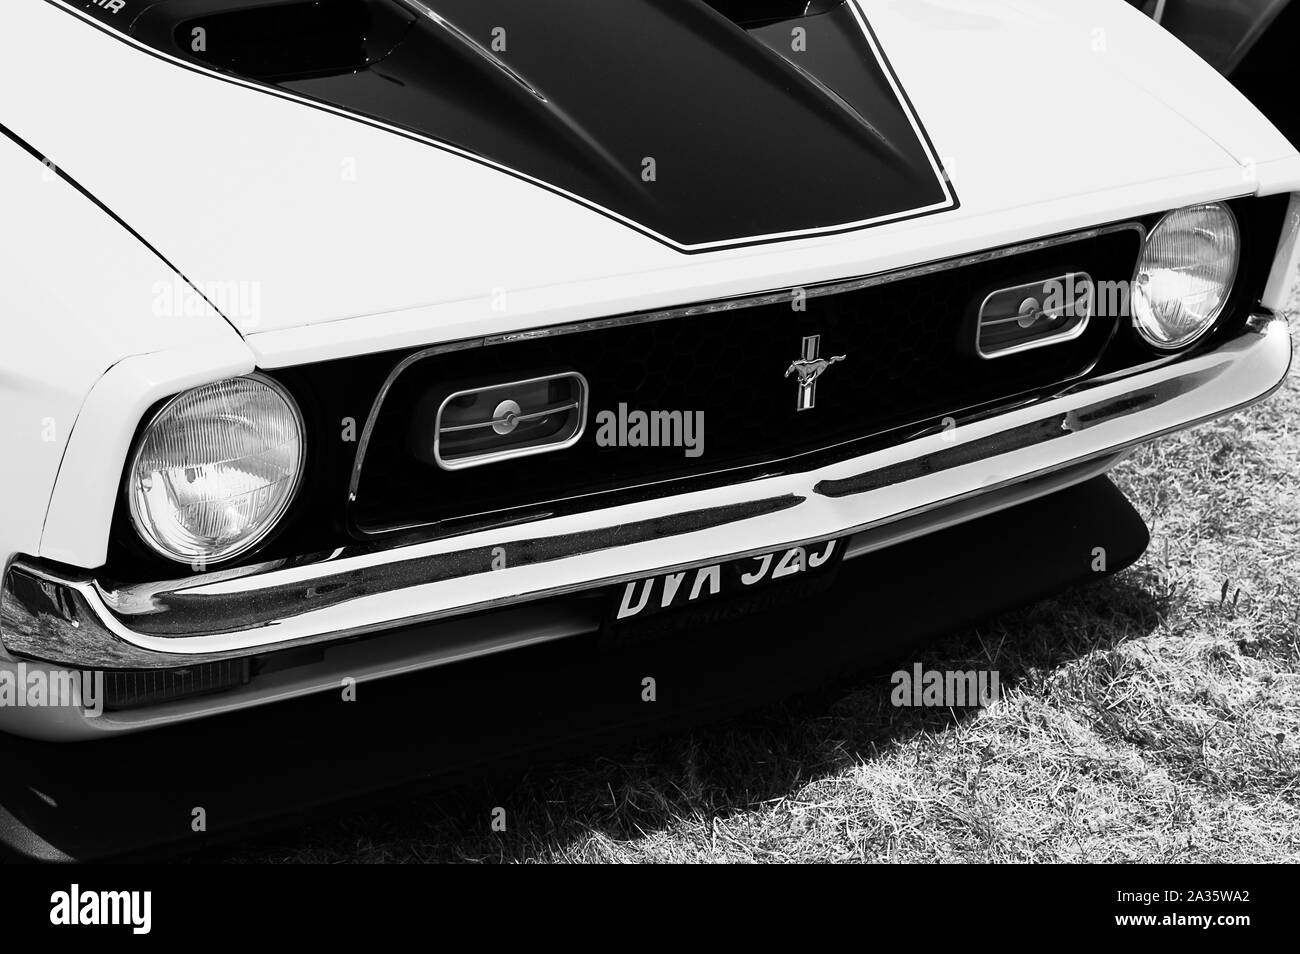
(347, 339)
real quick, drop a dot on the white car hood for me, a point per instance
(338, 236)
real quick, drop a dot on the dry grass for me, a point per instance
(1151, 717)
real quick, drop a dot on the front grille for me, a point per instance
(910, 361)
(337, 397)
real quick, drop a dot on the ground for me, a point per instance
(1151, 717)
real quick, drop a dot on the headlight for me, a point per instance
(1186, 271)
(215, 469)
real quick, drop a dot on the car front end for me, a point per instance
(396, 404)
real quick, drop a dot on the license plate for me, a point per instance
(672, 591)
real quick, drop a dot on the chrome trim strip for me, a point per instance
(69, 618)
(1012, 495)
(814, 291)
(771, 297)
(535, 415)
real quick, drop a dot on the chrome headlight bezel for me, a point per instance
(140, 524)
(1139, 325)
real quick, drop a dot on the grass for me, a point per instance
(1154, 716)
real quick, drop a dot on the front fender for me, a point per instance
(81, 296)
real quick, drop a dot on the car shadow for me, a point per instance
(642, 784)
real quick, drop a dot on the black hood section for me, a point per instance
(702, 124)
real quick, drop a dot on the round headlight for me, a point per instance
(215, 469)
(1186, 272)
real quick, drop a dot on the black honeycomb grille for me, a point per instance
(910, 362)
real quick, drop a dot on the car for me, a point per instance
(1247, 40)
(346, 340)
(1225, 34)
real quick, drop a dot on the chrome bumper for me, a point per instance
(69, 618)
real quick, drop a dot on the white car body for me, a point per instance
(239, 186)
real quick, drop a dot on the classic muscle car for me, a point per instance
(345, 339)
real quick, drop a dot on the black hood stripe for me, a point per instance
(752, 141)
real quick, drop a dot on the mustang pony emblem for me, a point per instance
(810, 371)
(809, 368)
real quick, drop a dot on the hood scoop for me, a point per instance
(701, 124)
(276, 42)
